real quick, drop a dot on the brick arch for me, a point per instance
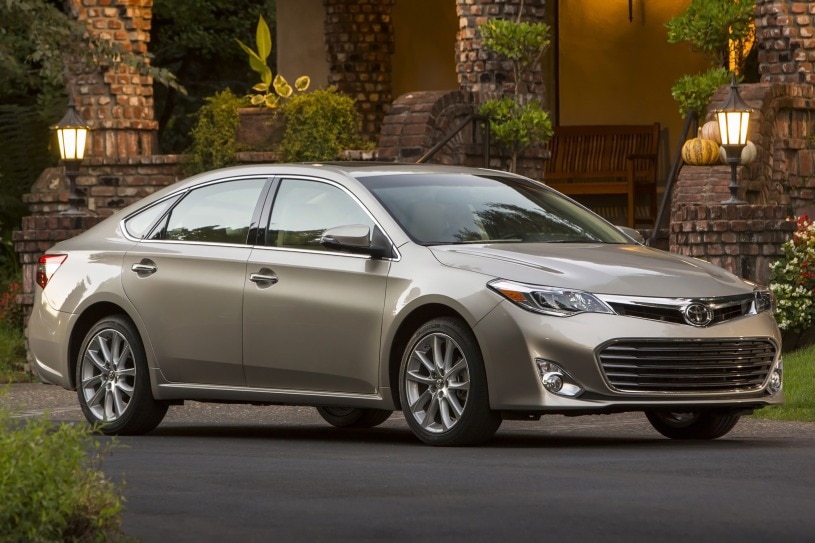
(418, 120)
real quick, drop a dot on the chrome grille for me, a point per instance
(672, 310)
(687, 366)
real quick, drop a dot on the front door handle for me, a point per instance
(263, 277)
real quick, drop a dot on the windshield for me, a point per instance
(447, 208)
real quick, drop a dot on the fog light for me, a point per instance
(555, 380)
(776, 382)
(552, 381)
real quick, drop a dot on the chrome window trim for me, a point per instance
(181, 192)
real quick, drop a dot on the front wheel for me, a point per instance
(112, 381)
(351, 417)
(443, 386)
(692, 424)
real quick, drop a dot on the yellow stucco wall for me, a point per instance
(425, 38)
(613, 71)
(300, 41)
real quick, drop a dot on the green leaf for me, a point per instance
(261, 87)
(255, 62)
(264, 39)
(302, 83)
(282, 87)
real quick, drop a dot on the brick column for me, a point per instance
(478, 70)
(116, 102)
(359, 47)
(785, 30)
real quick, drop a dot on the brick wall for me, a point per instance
(786, 38)
(478, 70)
(116, 102)
(743, 239)
(359, 46)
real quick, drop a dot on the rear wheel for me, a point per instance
(351, 417)
(692, 424)
(112, 381)
(443, 386)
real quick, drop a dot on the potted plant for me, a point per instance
(260, 127)
(517, 121)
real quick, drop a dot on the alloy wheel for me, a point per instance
(108, 375)
(437, 383)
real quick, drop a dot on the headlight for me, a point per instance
(764, 301)
(558, 302)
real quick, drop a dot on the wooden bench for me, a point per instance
(608, 160)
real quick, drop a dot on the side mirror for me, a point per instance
(633, 234)
(357, 239)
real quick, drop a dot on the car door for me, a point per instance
(186, 282)
(312, 316)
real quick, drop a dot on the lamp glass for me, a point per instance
(733, 126)
(72, 142)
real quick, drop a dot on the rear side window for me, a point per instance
(219, 213)
(139, 225)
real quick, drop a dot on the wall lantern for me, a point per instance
(734, 119)
(72, 135)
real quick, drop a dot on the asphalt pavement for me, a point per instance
(223, 473)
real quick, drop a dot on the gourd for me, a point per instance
(700, 152)
(710, 131)
(748, 154)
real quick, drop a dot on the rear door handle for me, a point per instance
(145, 267)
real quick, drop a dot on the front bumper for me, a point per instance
(512, 339)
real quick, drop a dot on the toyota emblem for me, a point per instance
(698, 314)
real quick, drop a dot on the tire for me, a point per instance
(112, 380)
(443, 386)
(351, 417)
(692, 425)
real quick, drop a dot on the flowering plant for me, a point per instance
(792, 279)
(11, 315)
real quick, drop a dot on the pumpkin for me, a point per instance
(748, 154)
(700, 152)
(710, 131)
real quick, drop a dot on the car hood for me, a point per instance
(600, 268)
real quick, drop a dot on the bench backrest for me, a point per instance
(597, 151)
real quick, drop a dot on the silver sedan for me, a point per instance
(459, 296)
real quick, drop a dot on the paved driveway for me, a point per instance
(226, 473)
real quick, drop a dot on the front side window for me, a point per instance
(304, 209)
(219, 213)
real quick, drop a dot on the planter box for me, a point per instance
(260, 129)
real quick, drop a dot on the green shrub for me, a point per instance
(319, 125)
(50, 488)
(214, 135)
(12, 341)
(693, 92)
(710, 26)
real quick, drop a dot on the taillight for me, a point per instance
(46, 266)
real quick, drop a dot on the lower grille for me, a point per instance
(687, 366)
